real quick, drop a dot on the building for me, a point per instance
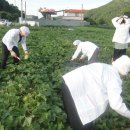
(31, 17)
(70, 17)
(74, 14)
(31, 20)
(69, 14)
(47, 13)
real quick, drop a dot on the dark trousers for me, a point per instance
(71, 111)
(94, 56)
(5, 54)
(118, 53)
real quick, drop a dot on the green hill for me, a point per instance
(104, 14)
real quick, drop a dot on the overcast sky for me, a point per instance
(32, 6)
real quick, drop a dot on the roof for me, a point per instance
(46, 10)
(75, 11)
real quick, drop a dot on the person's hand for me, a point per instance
(13, 54)
(72, 59)
(80, 60)
(26, 55)
(120, 17)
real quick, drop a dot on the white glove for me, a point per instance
(80, 60)
(26, 56)
(71, 59)
(13, 54)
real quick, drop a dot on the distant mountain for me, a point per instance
(104, 14)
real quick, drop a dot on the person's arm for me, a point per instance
(114, 89)
(128, 22)
(78, 50)
(26, 53)
(23, 43)
(82, 56)
(115, 21)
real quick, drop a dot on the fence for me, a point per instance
(63, 22)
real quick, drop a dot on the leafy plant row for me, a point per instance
(30, 92)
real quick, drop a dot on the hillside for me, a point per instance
(104, 14)
(9, 11)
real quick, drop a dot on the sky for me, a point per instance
(32, 6)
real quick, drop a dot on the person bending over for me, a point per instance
(89, 89)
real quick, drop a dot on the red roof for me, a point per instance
(74, 11)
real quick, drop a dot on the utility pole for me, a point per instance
(14, 2)
(82, 14)
(25, 13)
(21, 11)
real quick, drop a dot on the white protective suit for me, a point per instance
(94, 86)
(87, 48)
(121, 34)
(11, 39)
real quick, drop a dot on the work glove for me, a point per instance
(26, 55)
(80, 60)
(72, 60)
(13, 54)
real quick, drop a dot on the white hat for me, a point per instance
(122, 64)
(25, 30)
(76, 42)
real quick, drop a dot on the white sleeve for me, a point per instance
(128, 22)
(23, 42)
(82, 56)
(114, 21)
(114, 89)
(78, 50)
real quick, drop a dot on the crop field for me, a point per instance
(30, 92)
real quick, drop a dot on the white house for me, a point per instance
(74, 14)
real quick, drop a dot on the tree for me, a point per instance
(9, 11)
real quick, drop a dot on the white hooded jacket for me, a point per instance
(121, 34)
(92, 87)
(87, 48)
(11, 39)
